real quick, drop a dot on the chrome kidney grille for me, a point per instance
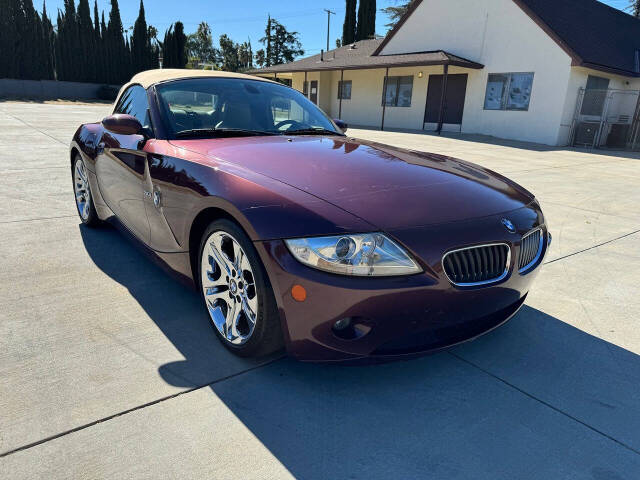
(479, 265)
(530, 250)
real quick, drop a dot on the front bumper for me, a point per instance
(401, 316)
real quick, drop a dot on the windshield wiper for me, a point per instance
(221, 132)
(312, 131)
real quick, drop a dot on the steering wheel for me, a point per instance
(291, 123)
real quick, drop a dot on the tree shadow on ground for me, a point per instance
(534, 399)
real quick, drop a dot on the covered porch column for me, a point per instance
(445, 75)
(384, 96)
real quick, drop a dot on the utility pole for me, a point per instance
(329, 13)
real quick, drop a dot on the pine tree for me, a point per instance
(229, 54)
(395, 13)
(282, 46)
(366, 27)
(349, 25)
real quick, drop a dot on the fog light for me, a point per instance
(342, 324)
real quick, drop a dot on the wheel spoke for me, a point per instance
(219, 257)
(248, 311)
(217, 316)
(238, 257)
(231, 326)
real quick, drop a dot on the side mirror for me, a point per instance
(341, 125)
(123, 124)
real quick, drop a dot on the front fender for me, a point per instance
(264, 207)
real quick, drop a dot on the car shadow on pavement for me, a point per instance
(536, 398)
(174, 307)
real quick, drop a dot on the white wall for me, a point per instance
(499, 35)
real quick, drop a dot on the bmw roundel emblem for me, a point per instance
(509, 225)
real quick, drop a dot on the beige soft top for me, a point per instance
(151, 77)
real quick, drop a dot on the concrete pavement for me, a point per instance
(108, 368)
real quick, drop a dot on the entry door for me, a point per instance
(121, 171)
(122, 164)
(313, 94)
(453, 101)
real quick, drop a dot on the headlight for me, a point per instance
(362, 254)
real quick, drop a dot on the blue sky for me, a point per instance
(242, 19)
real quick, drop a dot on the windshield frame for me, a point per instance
(170, 134)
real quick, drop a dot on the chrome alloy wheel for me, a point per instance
(229, 288)
(81, 188)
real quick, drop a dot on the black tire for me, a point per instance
(91, 218)
(267, 336)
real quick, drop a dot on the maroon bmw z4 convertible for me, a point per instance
(297, 235)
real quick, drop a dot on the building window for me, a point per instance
(344, 89)
(508, 91)
(595, 95)
(396, 91)
(305, 88)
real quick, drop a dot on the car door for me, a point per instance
(121, 166)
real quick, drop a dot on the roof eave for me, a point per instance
(323, 68)
(604, 68)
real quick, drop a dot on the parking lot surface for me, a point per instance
(109, 368)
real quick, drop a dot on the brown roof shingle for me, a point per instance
(360, 56)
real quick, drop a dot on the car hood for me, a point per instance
(387, 187)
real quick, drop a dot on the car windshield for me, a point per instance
(239, 107)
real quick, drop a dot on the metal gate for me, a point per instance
(606, 119)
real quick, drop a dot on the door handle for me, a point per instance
(100, 148)
(157, 199)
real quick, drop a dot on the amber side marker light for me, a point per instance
(298, 293)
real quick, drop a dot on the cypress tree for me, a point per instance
(57, 48)
(46, 45)
(180, 45)
(68, 48)
(267, 36)
(4, 40)
(9, 10)
(106, 54)
(97, 42)
(35, 57)
(349, 25)
(366, 27)
(87, 42)
(140, 44)
(167, 49)
(117, 66)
